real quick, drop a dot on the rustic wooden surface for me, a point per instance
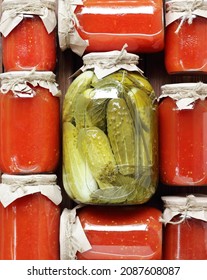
(154, 70)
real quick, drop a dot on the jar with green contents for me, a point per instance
(110, 142)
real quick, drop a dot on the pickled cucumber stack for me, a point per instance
(110, 139)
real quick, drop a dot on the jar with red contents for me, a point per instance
(182, 115)
(29, 217)
(111, 233)
(106, 25)
(185, 230)
(185, 37)
(29, 122)
(28, 35)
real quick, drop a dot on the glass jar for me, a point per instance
(111, 233)
(29, 217)
(139, 24)
(182, 134)
(185, 37)
(185, 230)
(28, 35)
(110, 132)
(29, 122)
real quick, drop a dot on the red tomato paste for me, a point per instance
(185, 38)
(29, 229)
(29, 45)
(115, 233)
(108, 25)
(185, 51)
(186, 240)
(184, 237)
(29, 129)
(183, 143)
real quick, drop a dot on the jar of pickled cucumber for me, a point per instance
(110, 146)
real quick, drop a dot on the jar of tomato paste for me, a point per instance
(28, 35)
(29, 217)
(182, 134)
(106, 25)
(185, 37)
(185, 227)
(111, 233)
(110, 134)
(29, 122)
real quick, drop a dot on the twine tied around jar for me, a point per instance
(67, 23)
(110, 59)
(19, 82)
(185, 9)
(13, 13)
(188, 206)
(17, 186)
(32, 7)
(105, 63)
(185, 94)
(72, 236)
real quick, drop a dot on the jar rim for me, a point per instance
(187, 91)
(118, 57)
(52, 3)
(167, 2)
(184, 86)
(105, 63)
(193, 205)
(182, 200)
(15, 186)
(43, 75)
(34, 179)
(19, 82)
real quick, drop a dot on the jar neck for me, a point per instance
(188, 6)
(31, 7)
(186, 11)
(185, 94)
(28, 180)
(19, 82)
(189, 206)
(14, 187)
(13, 13)
(105, 63)
(110, 59)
